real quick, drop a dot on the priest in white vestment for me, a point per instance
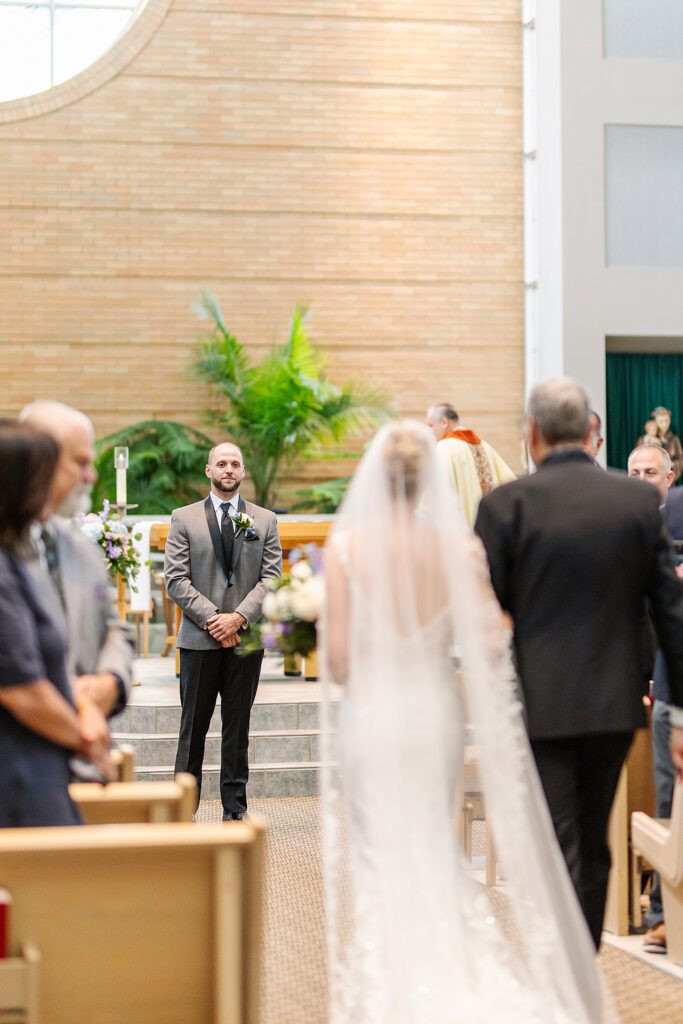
(472, 465)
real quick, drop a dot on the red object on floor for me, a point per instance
(5, 905)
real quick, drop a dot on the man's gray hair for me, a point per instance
(665, 457)
(54, 418)
(444, 409)
(561, 410)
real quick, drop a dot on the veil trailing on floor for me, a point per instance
(410, 937)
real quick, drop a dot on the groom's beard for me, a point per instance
(228, 487)
(77, 502)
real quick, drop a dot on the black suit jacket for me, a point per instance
(673, 512)
(574, 553)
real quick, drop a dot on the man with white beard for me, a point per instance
(100, 646)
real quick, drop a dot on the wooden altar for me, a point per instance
(294, 533)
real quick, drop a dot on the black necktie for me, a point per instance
(227, 534)
(52, 560)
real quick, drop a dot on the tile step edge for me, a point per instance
(129, 737)
(261, 767)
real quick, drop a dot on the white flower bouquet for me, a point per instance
(291, 608)
(108, 530)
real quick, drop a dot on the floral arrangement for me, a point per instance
(108, 530)
(291, 608)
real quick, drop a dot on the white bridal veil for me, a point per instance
(411, 939)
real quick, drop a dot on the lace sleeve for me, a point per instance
(498, 623)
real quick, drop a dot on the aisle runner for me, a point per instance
(293, 962)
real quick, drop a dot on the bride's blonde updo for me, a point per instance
(404, 452)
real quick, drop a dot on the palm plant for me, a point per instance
(324, 498)
(167, 461)
(284, 408)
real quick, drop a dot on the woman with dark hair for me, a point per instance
(40, 728)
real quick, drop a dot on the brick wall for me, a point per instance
(361, 157)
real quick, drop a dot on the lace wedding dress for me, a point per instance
(411, 938)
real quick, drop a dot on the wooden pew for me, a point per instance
(135, 925)
(635, 792)
(123, 759)
(661, 841)
(128, 802)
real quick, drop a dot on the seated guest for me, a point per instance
(40, 727)
(650, 434)
(668, 439)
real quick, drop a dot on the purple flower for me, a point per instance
(268, 640)
(310, 553)
(113, 550)
(104, 514)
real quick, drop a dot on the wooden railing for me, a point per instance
(293, 534)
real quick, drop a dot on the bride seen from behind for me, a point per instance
(412, 939)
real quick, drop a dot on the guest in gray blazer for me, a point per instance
(217, 567)
(71, 570)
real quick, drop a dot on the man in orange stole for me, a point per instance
(473, 466)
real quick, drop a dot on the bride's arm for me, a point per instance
(336, 615)
(487, 594)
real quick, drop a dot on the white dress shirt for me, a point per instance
(217, 502)
(232, 511)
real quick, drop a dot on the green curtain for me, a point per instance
(636, 384)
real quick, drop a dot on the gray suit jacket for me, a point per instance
(200, 582)
(97, 639)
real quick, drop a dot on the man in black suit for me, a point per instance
(573, 556)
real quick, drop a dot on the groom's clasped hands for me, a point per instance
(224, 627)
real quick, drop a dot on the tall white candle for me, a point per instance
(121, 486)
(121, 464)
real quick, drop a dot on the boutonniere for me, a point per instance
(244, 524)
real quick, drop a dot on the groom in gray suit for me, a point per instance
(217, 564)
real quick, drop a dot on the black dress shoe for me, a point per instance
(239, 816)
(227, 817)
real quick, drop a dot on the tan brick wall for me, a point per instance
(361, 157)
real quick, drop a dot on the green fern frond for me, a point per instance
(283, 409)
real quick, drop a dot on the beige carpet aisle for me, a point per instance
(293, 955)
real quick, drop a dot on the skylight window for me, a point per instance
(47, 42)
